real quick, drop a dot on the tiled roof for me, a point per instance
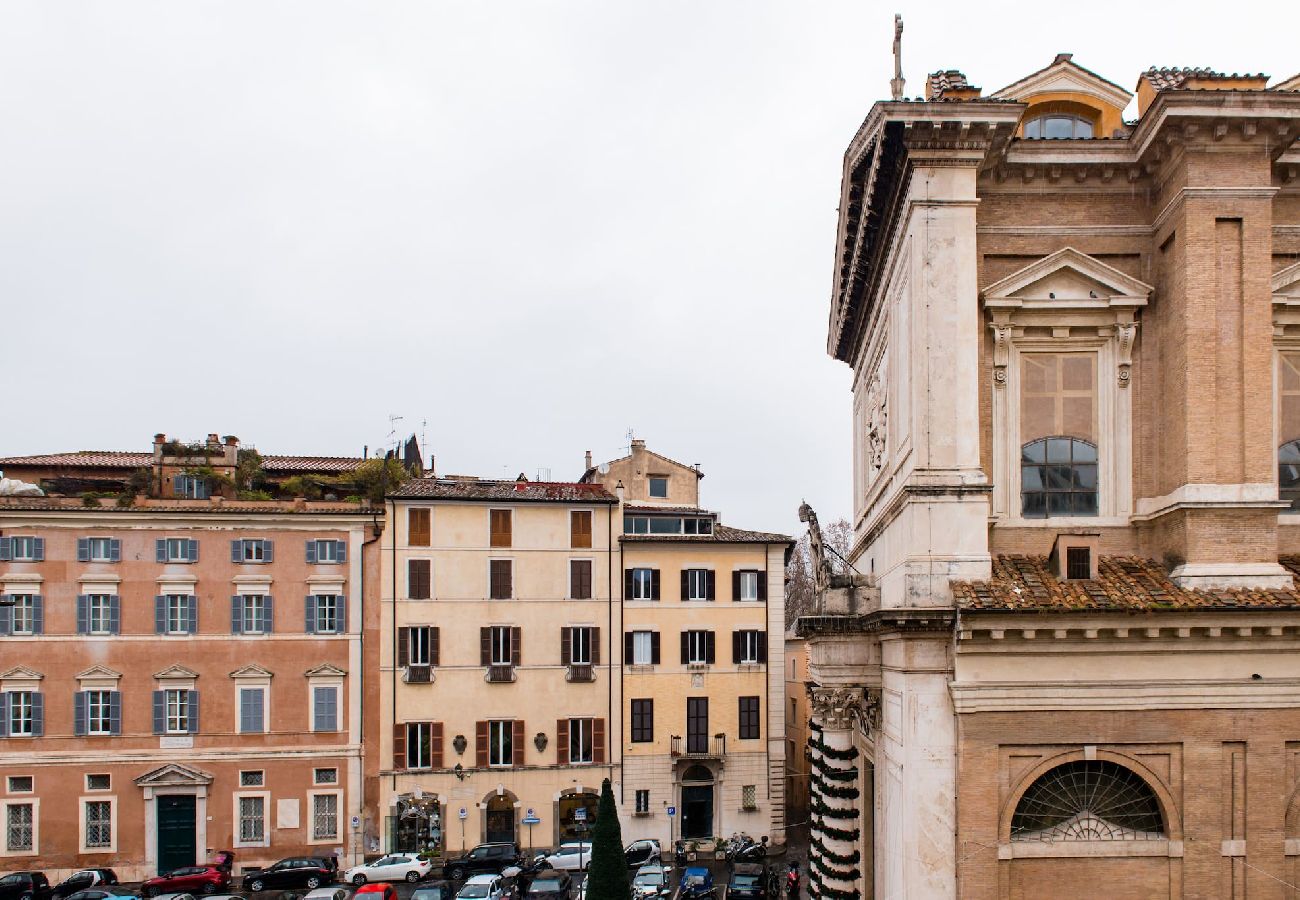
(1123, 583)
(310, 463)
(526, 491)
(722, 534)
(650, 507)
(1172, 78)
(120, 459)
(229, 507)
(951, 80)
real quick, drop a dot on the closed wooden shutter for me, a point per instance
(562, 742)
(654, 648)
(419, 579)
(654, 584)
(481, 744)
(435, 730)
(419, 533)
(580, 522)
(566, 646)
(435, 646)
(709, 646)
(580, 579)
(501, 582)
(627, 648)
(762, 585)
(485, 646)
(598, 741)
(686, 647)
(595, 646)
(403, 647)
(627, 584)
(686, 584)
(500, 519)
(737, 639)
(517, 742)
(711, 581)
(516, 645)
(399, 745)
(735, 586)
(762, 646)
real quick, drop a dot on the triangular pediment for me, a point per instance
(1070, 278)
(1286, 285)
(174, 773)
(1065, 75)
(98, 671)
(176, 671)
(22, 672)
(252, 670)
(324, 669)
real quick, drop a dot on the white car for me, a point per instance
(650, 883)
(397, 867)
(572, 856)
(333, 892)
(483, 887)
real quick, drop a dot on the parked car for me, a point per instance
(550, 885)
(334, 892)
(697, 883)
(485, 859)
(176, 895)
(571, 856)
(83, 880)
(108, 892)
(646, 852)
(376, 890)
(650, 883)
(748, 882)
(188, 879)
(432, 892)
(25, 886)
(397, 867)
(295, 872)
(223, 859)
(483, 887)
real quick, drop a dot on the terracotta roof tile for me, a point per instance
(951, 80)
(1123, 583)
(481, 489)
(722, 534)
(125, 459)
(1173, 78)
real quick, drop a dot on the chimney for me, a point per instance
(588, 467)
(618, 490)
(158, 440)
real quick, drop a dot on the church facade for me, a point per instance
(1068, 651)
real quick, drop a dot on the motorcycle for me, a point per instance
(751, 852)
(679, 854)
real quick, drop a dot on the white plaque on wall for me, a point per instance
(286, 814)
(175, 742)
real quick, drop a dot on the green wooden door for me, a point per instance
(177, 845)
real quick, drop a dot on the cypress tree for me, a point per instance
(607, 875)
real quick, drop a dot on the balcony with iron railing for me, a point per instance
(499, 674)
(698, 746)
(418, 675)
(580, 673)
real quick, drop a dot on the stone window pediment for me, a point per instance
(99, 678)
(1067, 279)
(251, 672)
(1286, 287)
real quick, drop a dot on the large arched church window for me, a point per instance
(1288, 473)
(1058, 477)
(1088, 800)
(1058, 125)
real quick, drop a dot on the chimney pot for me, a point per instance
(618, 490)
(588, 459)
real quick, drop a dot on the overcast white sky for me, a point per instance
(533, 225)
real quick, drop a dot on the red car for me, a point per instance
(382, 890)
(190, 879)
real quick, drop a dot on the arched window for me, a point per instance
(1058, 477)
(1057, 125)
(1088, 800)
(1288, 473)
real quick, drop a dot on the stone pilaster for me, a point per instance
(834, 855)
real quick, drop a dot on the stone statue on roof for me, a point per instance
(897, 83)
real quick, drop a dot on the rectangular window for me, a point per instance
(642, 648)
(180, 550)
(178, 711)
(99, 712)
(178, 613)
(580, 528)
(749, 796)
(419, 646)
(580, 579)
(328, 552)
(419, 579)
(643, 802)
(636, 525)
(253, 608)
(502, 649)
(697, 724)
(749, 718)
(324, 817)
(20, 784)
(23, 614)
(327, 614)
(697, 647)
(192, 487)
(252, 820)
(99, 823)
(254, 551)
(1058, 434)
(501, 747)
(580, 646)
(695, 584)
(748, 584)
(325, 708)
(23, 548)
(252, 710)
(101, 549)
(1078, 563)
(580, 740)
(501, 527)
(643, 584)
(643, 721)
(748, 652)
(19, 827)
(419, 745)
(22, 716)
(325, 776)
(252, 778)
(99, 613)
(419, 532)
(659, 487)
(501, 576)
(99, 782)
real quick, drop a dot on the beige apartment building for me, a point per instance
(181, 668)
(1068, 661)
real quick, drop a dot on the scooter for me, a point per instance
(679, 854)
(751, 852)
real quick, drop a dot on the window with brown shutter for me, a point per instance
(500, 526)
(419, 580)
(566, 645)
(516, 645)
(562, 742)
(436, 732)
(399, 745)
(485, 646)
(481, 744)
(435, 646)
(580, 528)
(519, 742)
(418, 531)
(501, 572)
(403, 647)
(598, 741)
(580, 579)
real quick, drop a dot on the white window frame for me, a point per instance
(697, 584)
(175, 622)
(29, 545)
(338, 707)
(749, 647)
(421, 637)
(642, 585)
(333, 616)
(498, 730)
(261, 777)
(101, 542)
(26, 800)
(245, 602)
(176, 710)
(312, 836)
(106, 719)
(589, 636)
(27, 603)
(648, 641)
(316, 775)
(252, 550)
(95, 790)
(697, 646)
(414, 745)
(13, 708)
(99, 606)
(187, 487)
(495, 645)
(83, 824)
(238, 820)
(577, 728)
(748, 586)
(329, 558)
(178, 550)
(9, 785)
(642, 794)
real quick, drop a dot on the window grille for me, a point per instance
(99, 823)
(252, 819)
(18, 827)
(1088, 800)
(252, 778)
(325, 817)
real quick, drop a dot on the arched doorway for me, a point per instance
(499, 819)
(570, 826)
(697, 803)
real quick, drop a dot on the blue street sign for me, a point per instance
(672, 810)
(532, 820)
(580, 814)
(464, 813)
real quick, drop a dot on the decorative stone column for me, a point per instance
(834, 860)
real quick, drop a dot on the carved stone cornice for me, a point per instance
(842, 708)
